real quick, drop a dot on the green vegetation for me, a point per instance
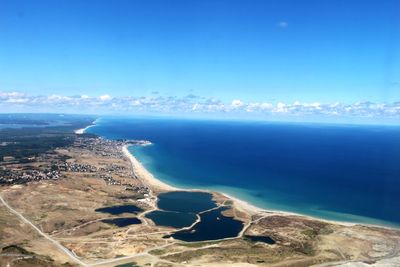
(199, 244)
(311, 233)
(307, 249)
(15, 249)
(157, 252)
(38, 133)
(228, 203)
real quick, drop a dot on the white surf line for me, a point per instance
(69, 253)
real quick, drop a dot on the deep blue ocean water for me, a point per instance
(339, 172)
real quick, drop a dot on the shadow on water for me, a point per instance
(122, 222)
(263, 239)
(131, 264)
(116, 210)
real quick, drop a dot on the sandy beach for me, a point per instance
(156, 185)
(82, 130)
(144, 175)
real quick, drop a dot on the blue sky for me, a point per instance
(266, 51)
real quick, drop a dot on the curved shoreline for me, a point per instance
(155, 184)
(82, 130)
(144, 175)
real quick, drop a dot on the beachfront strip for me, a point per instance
(106, 209)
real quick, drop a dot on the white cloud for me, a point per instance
(266, 106)
(17, 100)
(13, 97)
(197, 106)
(105, 97)
(136, 103)
(194, 104)
(281, 107)
(283, 24)
(236, 103)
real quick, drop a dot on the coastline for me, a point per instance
(157, 185)
(83, 130)
(144, 175)
(154, 184)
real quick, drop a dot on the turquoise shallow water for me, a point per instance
(338, 172)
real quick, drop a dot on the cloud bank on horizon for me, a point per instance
(194, 105)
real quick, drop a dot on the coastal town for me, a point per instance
(89, 202)
(51, 166)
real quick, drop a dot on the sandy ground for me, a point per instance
(82, 130)
(148, 179)
(145, 176)
(77, 197)
(153, 183)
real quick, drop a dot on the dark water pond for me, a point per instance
(213, 225)
(116, 210)
(122, 222)
(172, 218)
(127, 265)
(264, 239)
(185, 201)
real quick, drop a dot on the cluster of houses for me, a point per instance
(22, 177)
(99, 146)
(76, 167)
(110, 181)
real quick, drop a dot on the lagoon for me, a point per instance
(172, 219)
(338, 172)
(122, 222)
(119, 209)
(212, 226)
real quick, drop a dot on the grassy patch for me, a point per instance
(198, 244)
(157, 252)
(310, 233)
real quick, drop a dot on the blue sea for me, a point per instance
(338, 172)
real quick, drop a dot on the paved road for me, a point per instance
(70, 254)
